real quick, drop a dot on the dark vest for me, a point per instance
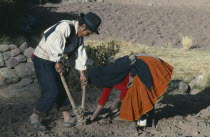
(68, 49)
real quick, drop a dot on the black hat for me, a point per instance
(92, 20)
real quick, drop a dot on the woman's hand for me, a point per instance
(96, 112)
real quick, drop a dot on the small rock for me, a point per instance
(12, 46)
(25, 70)
(25, 82)
(23, 46)
(21, 58)
(15, 52)
(7, 55)
(2, 63)
(183, 87)
(198, 81)
(195, 91)
(28, 52)
(12, 62)
(4, 48)
(7, 76)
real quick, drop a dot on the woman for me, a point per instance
(149, 80)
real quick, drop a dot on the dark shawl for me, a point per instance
(113, 74)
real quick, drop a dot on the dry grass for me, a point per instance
(187, 64)
(186, 42)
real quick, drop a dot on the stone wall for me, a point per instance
(16, 68)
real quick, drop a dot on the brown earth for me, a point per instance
(152, 23)
(176, 115)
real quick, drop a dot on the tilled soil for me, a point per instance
(175, 115)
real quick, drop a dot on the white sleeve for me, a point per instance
(81, 58)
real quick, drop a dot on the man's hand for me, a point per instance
(83, 78)
(59, 67)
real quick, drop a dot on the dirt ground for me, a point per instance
(152, 22)
(175, 115)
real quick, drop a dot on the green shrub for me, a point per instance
(101, 54)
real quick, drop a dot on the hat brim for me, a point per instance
(93, 30)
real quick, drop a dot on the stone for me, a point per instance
(12, 62)
(8, 76)
(7, 55)
(21, 58)
(198, 81)
(183, 87)
(23, 46)
(15, 52)
(15, 90)
(195, 91)
(4, 48)
(12, 46)
(26, 81)
(2, 63)
(28, 52)
(25, 70)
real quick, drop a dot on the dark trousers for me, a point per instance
(52, 90)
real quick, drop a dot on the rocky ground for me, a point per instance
(154, 23)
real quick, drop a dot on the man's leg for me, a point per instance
(47, 78)
(63, 105)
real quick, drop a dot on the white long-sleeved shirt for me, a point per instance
(52, 47)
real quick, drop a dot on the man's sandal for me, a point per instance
(70, 124)
(37, 125)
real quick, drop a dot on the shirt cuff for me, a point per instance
(80, 67)
(55, 59)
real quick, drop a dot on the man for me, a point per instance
(64, 38)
